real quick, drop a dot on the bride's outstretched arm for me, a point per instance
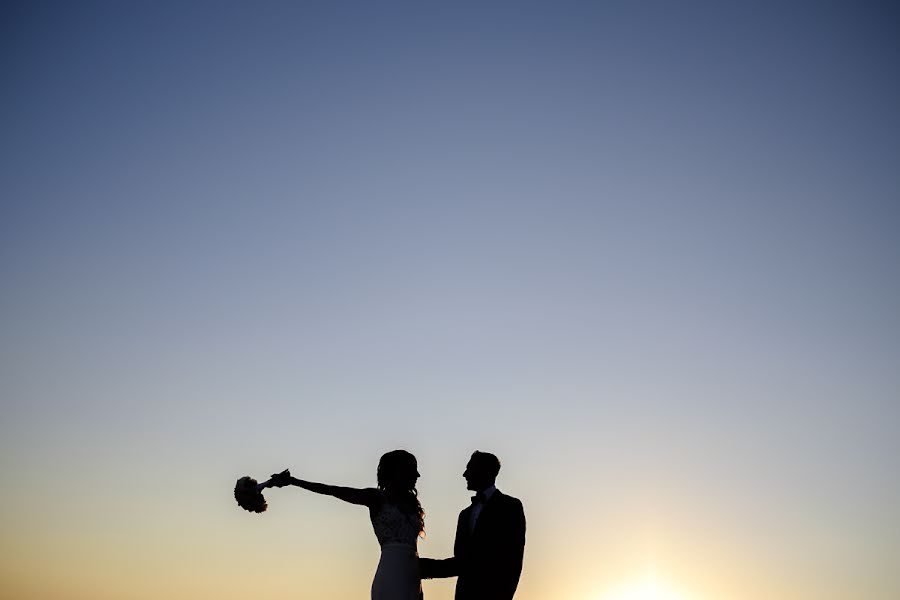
(363, 496)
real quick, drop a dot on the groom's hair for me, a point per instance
(490, 461)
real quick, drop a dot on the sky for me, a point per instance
(645, 252)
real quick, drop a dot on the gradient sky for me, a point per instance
(646, 252)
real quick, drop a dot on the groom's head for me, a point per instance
(481, 472)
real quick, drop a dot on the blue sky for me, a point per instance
(647, 252)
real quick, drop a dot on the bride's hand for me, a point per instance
(280, 479)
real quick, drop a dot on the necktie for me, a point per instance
(477, 506)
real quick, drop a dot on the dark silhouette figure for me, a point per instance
(490, 539)
(397, 519)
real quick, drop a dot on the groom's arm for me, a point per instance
(437, 568)
(515, 546)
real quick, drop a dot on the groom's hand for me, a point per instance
(438, 568)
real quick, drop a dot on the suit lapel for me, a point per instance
(464, 519)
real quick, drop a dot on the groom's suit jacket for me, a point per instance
(488, 559)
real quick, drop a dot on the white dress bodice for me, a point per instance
(392, 526)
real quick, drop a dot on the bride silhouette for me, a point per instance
(397, 518)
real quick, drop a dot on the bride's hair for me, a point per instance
(392, 467)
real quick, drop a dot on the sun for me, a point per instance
(646, 588)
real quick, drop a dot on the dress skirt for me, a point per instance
(397, 577)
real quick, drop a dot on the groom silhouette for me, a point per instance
(490, 538)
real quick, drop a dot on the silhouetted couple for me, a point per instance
(490, 533)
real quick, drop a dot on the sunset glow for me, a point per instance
(648, 587)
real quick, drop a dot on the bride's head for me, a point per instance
(398, 471)
(397, 475)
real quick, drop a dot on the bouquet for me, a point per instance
(248, 492)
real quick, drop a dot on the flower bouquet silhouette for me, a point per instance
(248, 492)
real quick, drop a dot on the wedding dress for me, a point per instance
(397, 577)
